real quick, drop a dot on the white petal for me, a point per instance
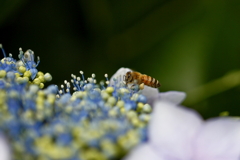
(119, 75)
(150, 93)
(172, 130)
(143, 152)
(4, 149)
(219, 139)
(175, 97)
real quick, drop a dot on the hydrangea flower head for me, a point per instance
(81, 119)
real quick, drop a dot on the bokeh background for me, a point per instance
(184, 44)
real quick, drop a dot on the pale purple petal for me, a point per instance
(218, 139)
(175, 97)
(143, 152)
(4, 149)
(172, 130)
(119, 75)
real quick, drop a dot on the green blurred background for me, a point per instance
(184, 44)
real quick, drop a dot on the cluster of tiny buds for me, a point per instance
(62, 90)
(107, 81)
(25, 68)
(92, 79)
(79, 83)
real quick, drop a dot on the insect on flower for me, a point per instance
(138, 78)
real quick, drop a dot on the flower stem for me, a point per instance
(201, 93)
